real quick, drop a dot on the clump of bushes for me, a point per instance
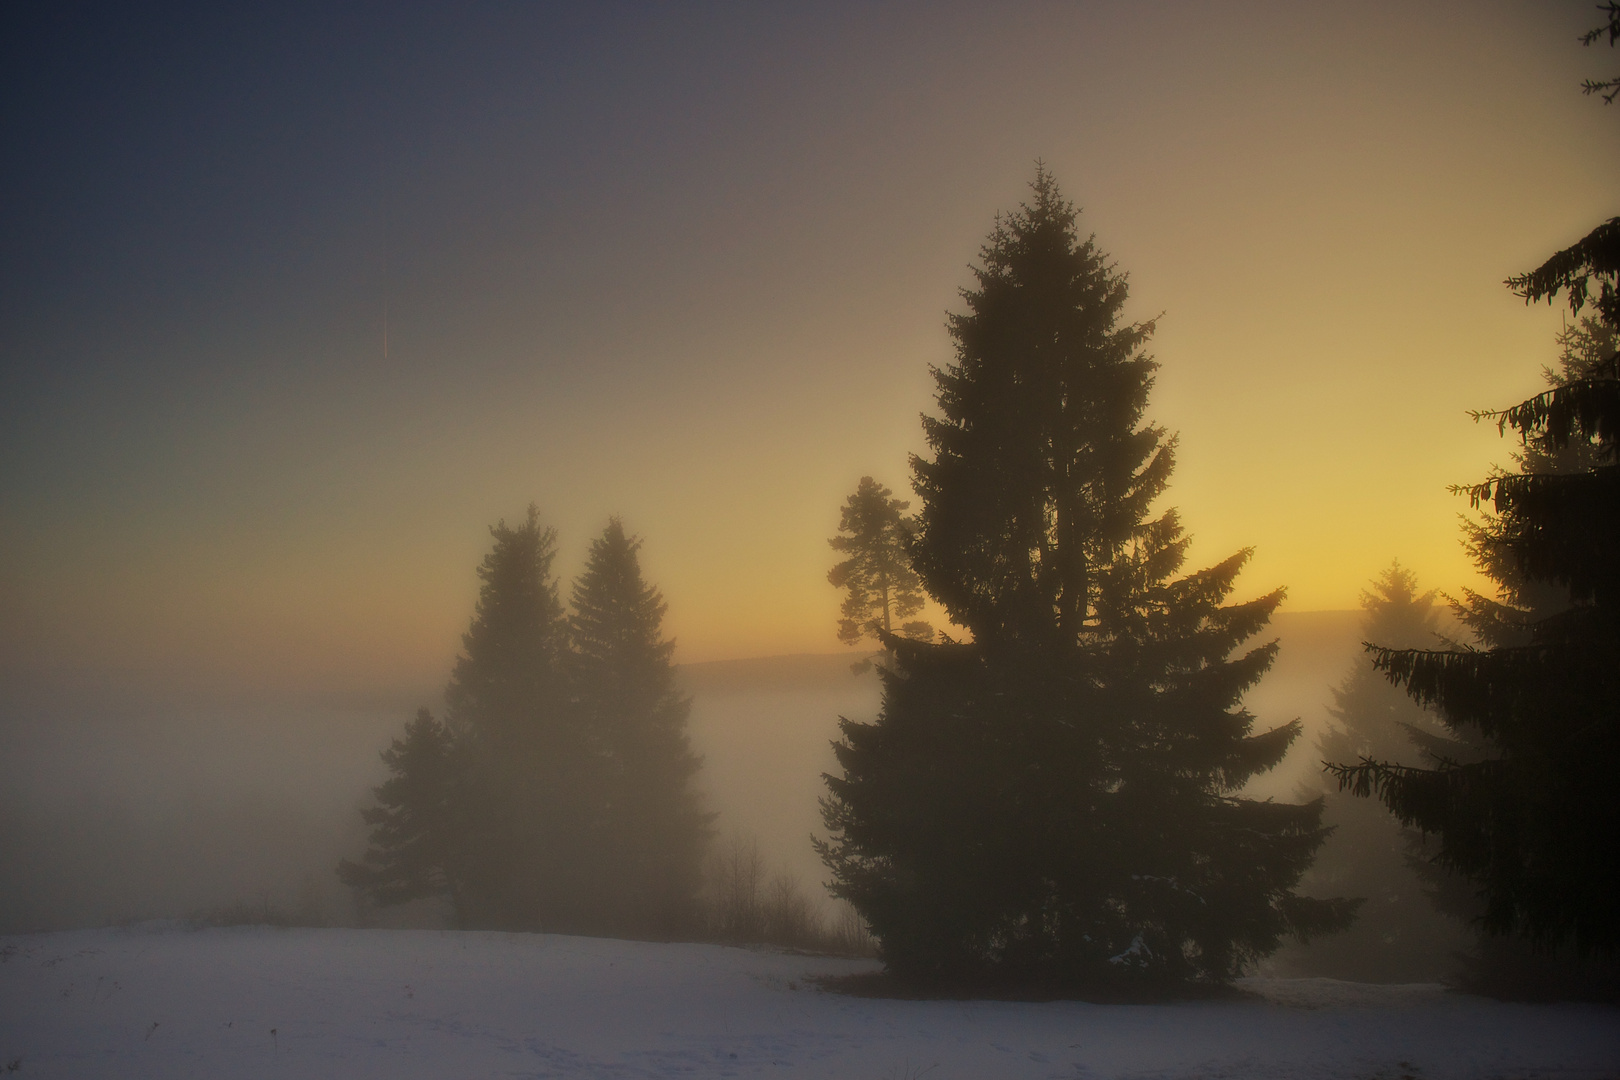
(751, 905)
(265, 910)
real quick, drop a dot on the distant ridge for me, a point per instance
(795, 671)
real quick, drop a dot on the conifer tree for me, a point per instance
(1370, 717)
(650, 831)
(1056, 800)
(526, 798)
(881, 588)
(1520, 602)
(1534, 824)
(512, 663)
(413, 848)
(558, 794)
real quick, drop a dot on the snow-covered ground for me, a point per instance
(162, 1000)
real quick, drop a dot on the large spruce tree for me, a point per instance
(1057, 799)
(651, 830)
(1534, 821)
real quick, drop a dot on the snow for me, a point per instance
(168, 1000)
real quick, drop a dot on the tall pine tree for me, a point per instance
(650, 831)
(881, 590)
(1057, 800)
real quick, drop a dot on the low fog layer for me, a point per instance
(116, 811)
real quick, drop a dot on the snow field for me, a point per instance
(164, 1000)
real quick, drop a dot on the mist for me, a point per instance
(120, 810)
(301, 305)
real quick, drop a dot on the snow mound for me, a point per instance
(165, 1000)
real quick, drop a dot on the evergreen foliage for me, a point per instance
(1521, 601)
(527, 803)
(512, 663)
(881, 588)
(652, 828)
(1535, 823)
(1499, 965)
(412, 837)
(557, 795)
(1056, 800)
(1571, 271)
(1610, 28)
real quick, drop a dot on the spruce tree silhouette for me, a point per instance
(526, 800)
(651, 830)
(1535, 823)
(492, 807)
(1517, 793)
(1055, 802)
(413, 843)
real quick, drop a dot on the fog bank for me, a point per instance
(119, 806)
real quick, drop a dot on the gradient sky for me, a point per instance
(689, 263)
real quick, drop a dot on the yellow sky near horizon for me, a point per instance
(718, 310)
